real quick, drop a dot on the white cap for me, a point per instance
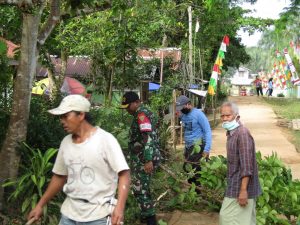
(72, 103)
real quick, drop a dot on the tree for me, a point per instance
(39, 18)
(276, 38)
(31, 36)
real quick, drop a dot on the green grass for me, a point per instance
(287, 109)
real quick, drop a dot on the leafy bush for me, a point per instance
(115, 121)
(32, 182)
(280, 95)
(44, 129)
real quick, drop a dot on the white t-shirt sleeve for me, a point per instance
(114, 154)
(59, 165)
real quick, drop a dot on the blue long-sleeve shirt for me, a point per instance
(270, 85)
(196, 127)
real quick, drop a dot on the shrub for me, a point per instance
(280, 95)
(44, 129)
(32, 182)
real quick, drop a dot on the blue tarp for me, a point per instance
(193, 86)
(153, 86)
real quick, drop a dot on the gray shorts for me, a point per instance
(66, 221)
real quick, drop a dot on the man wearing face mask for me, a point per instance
(242, 173)
(197, 134)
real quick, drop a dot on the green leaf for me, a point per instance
(33, 178)
(196, 149)
(42, 182)
(267, 197)
(161, 222)
(294, 197)
(3, 48)
(9, 183)
(25, 204)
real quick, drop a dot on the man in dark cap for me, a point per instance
(197, 135)
(144, 154)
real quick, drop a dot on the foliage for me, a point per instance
(280, 95)
(10, 23)
(280, 193)
(286, 108)
(44, 129)
(289, 109)
(111, 38)
(132, 211)
(34, 176)
(161, 99)
(278, 38)
(4, 90)
(115, 121)
(222, 94)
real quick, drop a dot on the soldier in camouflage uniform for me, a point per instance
(144, 154)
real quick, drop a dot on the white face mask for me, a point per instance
(230, 125)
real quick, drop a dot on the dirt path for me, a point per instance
(261, 121)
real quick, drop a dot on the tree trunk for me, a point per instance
(109, 99)
(17, 129)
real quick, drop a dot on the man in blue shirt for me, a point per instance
(197, 136)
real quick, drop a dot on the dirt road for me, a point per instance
(260, 119)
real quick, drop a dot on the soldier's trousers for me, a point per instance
(141, 191)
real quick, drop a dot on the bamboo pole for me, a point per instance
(190, 45)
(201, 70)
(173, 120)
(161, 66)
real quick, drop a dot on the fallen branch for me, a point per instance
(203, 191)
(31, 221)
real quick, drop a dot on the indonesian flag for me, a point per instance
(216, 70)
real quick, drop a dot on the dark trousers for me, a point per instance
(193, 159)
(270, 92)
(259, 90)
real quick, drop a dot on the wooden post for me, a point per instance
(161, 66)
(181, 134)
(190, 45)
(201, 70)
(173, 120)
(213, 109)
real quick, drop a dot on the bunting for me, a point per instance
(294, 76)
(295, 45)
(285, 71)
(217, 68)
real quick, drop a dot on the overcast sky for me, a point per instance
(264, 9)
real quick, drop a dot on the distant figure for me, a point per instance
(243, 186)
(270, 87)
(258, 85)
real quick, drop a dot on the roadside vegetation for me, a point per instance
(110, 34)
(288, 109)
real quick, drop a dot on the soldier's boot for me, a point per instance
(151, 220)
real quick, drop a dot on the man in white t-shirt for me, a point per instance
(89, 167)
